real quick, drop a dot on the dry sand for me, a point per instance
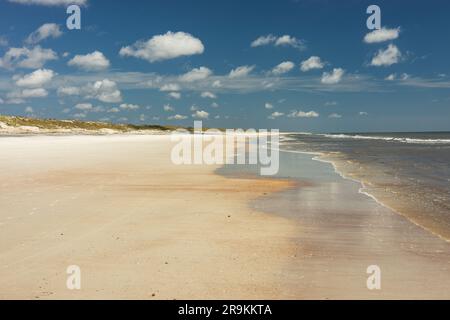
(137, 226)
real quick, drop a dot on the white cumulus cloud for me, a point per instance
(275, 115)
(27, 58)
(302, 114)
(168, 108)
(34, 93)
(175, 95)
(285, 40)
(177, 117)
(283, 68)
(333, 77)
(170, 87)
(241, 71)
(94, 61)
(196, 74)
(104, 90)
(36, 79)
(391, 77)
(387, 57)
(208, 94)
(47, 30)
(19, 96)
(381, 35)
(163, 47)
(264, 41)
(200, 114)
(311, 63)
(335, 116)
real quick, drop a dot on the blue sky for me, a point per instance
(230, 63)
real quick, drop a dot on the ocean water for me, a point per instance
(408, 172)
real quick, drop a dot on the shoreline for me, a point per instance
(343, 231)
(376, 199)
(324, 158)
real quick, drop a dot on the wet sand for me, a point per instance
(343, 231)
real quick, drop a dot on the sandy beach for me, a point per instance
(140, 227)
(137, 226)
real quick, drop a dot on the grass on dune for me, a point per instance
(53, 124)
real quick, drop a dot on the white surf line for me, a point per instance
(362, 190)
(388, 139)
